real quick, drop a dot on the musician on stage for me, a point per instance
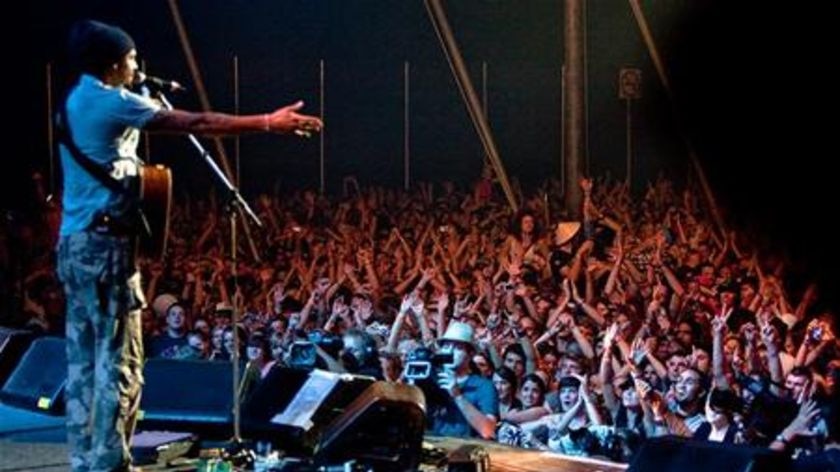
(99, 125)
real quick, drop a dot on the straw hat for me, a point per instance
(565, 231)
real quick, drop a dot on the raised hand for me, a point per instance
(340, 308)
(767, 336)
(748, 332)
(718, 325)
(566, 319)
(442, 301)
(460, 307)
(609, 336)
(638, 351)
(407, 302)
(583, 389)
(804, 421)
(643, 388)
(417, 306)
(446, 380)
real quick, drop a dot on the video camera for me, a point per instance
(303, 355)
(422, 363)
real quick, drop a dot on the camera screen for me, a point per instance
(418, 370)
(302, 355)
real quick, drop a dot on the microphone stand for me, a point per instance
(236, 207)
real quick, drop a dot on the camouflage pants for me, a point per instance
(104, 349)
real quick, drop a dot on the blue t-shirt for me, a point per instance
(105, 123)
(447, 419)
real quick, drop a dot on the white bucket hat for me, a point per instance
(458, 332)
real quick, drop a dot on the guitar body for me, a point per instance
(155, 201)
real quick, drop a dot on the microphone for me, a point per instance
(158, 83)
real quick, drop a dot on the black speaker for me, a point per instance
(38, 381)
(684, 455)
(382, 428)
(308, 402)
(336, 417)
(187, 395)
(13, 344)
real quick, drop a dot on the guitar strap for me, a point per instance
(64, 134)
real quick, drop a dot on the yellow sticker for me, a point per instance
(44, 403)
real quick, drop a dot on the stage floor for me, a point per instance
(50, 457)
(31, 441)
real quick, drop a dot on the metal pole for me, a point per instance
(586, 156)
(629, 123)
(236, 110)
(663, 77)
(50, 135)
(406, 126)
(563, 130)
(462, 77)
(237, 433)
(484, 87)
(205, 105)
(322, 175)
(147, 145)
(574, 31)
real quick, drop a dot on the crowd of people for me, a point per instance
(585, 336)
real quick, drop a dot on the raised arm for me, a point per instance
(718, 329)
(606, 371)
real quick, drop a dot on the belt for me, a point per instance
(107, 224)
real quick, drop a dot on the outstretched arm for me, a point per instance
(284, 120)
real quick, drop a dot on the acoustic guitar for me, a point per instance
(155, 193)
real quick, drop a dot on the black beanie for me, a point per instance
(93, 46)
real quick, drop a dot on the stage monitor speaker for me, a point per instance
(332, 417)
(38, 381)
(673, 454)
(187, 395)
(13, 344)
(382, 428)
(309, 399)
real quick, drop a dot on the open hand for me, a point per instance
(287, 120)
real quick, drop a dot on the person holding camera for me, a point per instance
(360, 354)
(470, 407)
